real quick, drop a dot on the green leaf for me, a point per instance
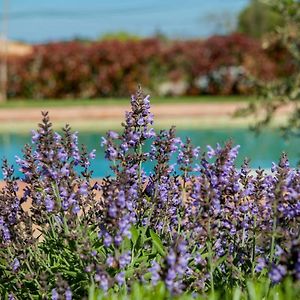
(157, 243)
(126, 244)
(141, 259)
(134, 235)
(221, 260)
(92, 295)
(251, 291)
(237, 293)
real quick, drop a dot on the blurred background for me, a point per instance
(201, 61)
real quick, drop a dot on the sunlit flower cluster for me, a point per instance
(196, 221)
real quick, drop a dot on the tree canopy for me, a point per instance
(257, 19)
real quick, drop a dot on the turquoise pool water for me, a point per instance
(262, 149)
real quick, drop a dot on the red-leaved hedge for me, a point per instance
(218, 65)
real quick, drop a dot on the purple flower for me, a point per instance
(49, 203)
(150, 133)
(210, 200)
(107, 239)
(112, 211)
(34, 136)
(103, 141)
(124, 259)
(57, 137)
(7, 171)
(15, 264)
(65, 170)
(150, 188)
(124, 146)
(170, 279)
(68, 294)
(104, 283)
(121, 199)
(54, 294)
(196, 151)
(62, 155)
(171, 258)
(75, 208)
(199, 260)
(155, 269)
(278, 250)
(63, 192)
(261, 264)
(113, 135)
(277, 273)
(110, 261)
(234, 152)
(5, 232)
(111, 153)
(211, 152)
(102, 280)
(120, 278)
(92, 155)
(83, 190)
(141, 121)
(22, 163)
(146, 101)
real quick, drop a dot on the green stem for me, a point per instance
(140, 152)
(243, 238)
(210, 260)
(211, 268)
(253, 249)
(273, 240)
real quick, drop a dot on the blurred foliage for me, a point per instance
(120, 36)
(253, 291)
(284, 92)
(258, 18)
(220, 65)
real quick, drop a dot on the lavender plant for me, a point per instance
(199, 224)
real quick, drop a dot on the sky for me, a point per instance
(49, 20)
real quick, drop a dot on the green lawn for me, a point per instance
(17, 103)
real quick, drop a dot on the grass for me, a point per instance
(20, 103)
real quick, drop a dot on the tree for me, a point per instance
(120, 36)
(284, 91)
(257, 19)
